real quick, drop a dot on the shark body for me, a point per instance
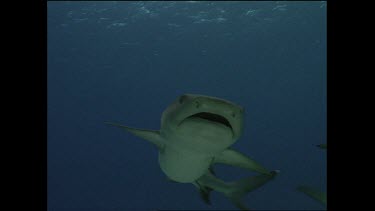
(197, 132)
(318, 195)
(314, 193)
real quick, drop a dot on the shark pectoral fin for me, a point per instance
(152, 136)
(235, 191)
(237, 159)
(315, 194)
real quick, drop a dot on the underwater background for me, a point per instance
(125, 62)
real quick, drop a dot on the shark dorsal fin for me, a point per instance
(152, 136)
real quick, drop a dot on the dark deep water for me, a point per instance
(126, 61)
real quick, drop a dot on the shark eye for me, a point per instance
(182, 99)
(197, 104)
(233, 114)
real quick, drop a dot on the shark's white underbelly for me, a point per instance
(182, 165)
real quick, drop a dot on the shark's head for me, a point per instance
(202, 121)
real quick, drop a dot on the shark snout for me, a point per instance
(217, 106)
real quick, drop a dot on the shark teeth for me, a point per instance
(213, 117)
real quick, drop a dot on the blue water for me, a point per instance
(126, 61)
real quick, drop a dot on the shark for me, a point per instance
(318, 195)
(322, 146)
(314, 193)
(197, 132)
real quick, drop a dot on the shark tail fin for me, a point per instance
(243, 186)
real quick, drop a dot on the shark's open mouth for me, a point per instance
(213, 117)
